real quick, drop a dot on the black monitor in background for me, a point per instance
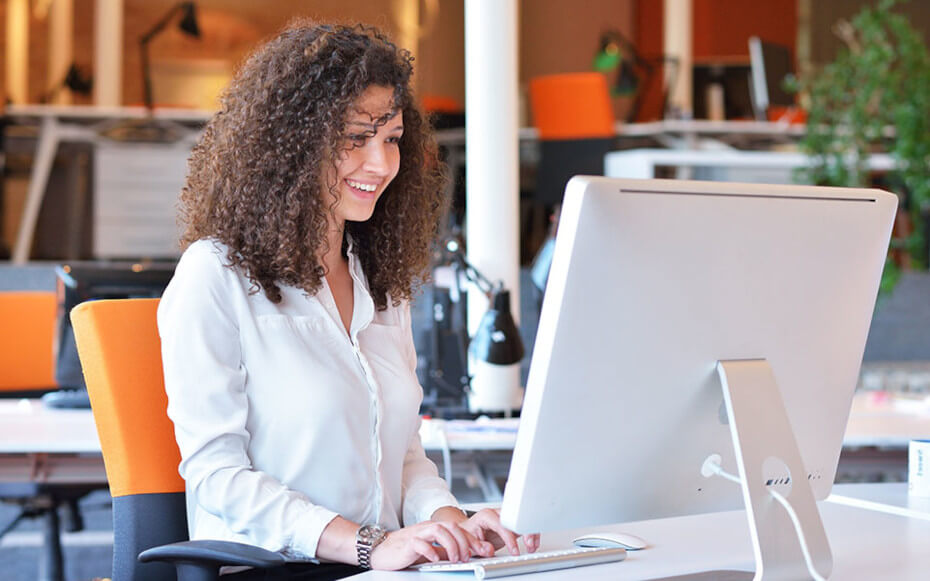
(84, 281)
(732, 79)
(770, 64)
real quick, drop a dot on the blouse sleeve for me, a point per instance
(424, 490)
(205, 383)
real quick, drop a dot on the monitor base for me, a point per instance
(769, 460)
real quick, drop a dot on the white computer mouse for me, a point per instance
(610, 539)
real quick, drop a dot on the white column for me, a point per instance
(17, 51)
(492, 179)
(407, 18)
(108, 53)
(60, 46)
(678, 43)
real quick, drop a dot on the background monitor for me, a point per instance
(84, 281)
(732, 79)
(770, 64)
(652, 283)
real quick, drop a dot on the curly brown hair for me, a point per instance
(256, 177)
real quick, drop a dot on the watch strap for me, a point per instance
(366, 539)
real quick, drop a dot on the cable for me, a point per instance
(800, 532)
(712, 467)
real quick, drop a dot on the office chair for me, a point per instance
(27, 329)
(26, 342)
(575, 120)
(120, 352)
(573, 115)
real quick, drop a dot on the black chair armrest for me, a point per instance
(211, 555)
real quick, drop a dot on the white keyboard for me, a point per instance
(492, 567)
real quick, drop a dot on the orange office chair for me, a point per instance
(27, 331)
(575, 120)
(120, 352)
(27, 341)
(572, 106)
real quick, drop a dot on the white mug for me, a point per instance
(918, 468)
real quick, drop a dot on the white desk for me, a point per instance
(866, 545)
(877, 420)
(891, 498)
(887, 421)
(49, 446)
(689, 129)
(483, 449)
(48, 456)
(746, 166)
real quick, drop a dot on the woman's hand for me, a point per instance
(486, 525)
(418, 543)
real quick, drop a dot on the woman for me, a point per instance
(311, 203)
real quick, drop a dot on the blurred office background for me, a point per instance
(75, 68)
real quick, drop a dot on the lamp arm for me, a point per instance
(144, 40)
(161, 24)
(474, 275)
(147, 97)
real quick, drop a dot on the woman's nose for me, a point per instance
(376, 157)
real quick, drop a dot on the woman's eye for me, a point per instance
(394, 139)
(358, 140)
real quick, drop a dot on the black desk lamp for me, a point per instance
(617, 51)
(187, 24)
(635, 72)
(76, 80)
(497, 339)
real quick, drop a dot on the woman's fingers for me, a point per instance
(466, 541)
(460, 544)
(490, 519)
(476, 545)
(427, 549)
(531, 542)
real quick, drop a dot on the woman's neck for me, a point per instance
(333, 256)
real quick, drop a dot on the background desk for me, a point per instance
(43, 445)
(773, 167)
(47, 456)
(136, 183)
(482, 451)
(891, 498)
(867, 546)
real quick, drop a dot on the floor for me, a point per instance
(87, 554)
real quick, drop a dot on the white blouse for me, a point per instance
(284, 420)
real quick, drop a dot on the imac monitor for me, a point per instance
(655, 287)
(770, 64)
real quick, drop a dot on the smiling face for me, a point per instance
(370, 157)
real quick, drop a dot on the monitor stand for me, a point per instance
(768, 457)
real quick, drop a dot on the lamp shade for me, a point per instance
(497, 339)
(188, 23)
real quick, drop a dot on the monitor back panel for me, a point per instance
(653, 282)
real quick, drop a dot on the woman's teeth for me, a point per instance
(363, 187)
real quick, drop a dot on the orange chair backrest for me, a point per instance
(120, 353)
(571, 106)
(441, 104)
(27, 334)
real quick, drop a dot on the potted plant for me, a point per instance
(875, 97)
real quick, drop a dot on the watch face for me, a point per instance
(369, 533)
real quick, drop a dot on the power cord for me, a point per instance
(712, 467)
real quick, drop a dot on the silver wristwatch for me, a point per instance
(366, 539)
